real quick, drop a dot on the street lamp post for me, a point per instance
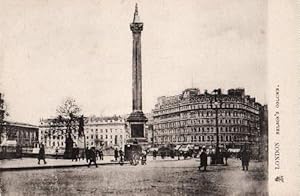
(217, 159)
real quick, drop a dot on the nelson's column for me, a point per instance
(137, 118)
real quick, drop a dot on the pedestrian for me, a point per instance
(245, 158)
(179, 154)
(203, 159)
(41, 155)
(92, 156)
(121, 157)
(116, 154)
(101, 155)
(144, 158)
(226, 156)
(74, 154)
(82, 154)
(56, 153)
(97, 154)
(87, 154)
(77, 153)
(162, 154)
(172, 154)
(154, 154)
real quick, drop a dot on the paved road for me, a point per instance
(156, 178)
(33, 162)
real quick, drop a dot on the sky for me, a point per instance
(51, 50)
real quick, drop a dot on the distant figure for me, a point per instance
(226, 156)
(41, 155)
(172, 154)
(56, 153)
(203, 159)
(121, 157)
(87, 154)
(116, 154)
(82, 154)
(163, 154)
(74, 154)
(154, 154)
(101, 155)
(179, 154)
(245, 157)
(92, 156)
(144, 158)
(97, 154)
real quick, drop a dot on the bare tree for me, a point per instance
(68, 117)
(68, 109)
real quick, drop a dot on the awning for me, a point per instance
(177, 147)
(234, 150)
(152, 149)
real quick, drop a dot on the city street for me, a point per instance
(160, 177)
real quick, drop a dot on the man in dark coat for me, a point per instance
(121, 157)
(92, 156)
(87, 154)
(74, 157)
(203, 159)
(41, 155)
(154, 154)
(226, 156)
(116, 154)
(101, 154)
(245, 158)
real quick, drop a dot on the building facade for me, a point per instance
(194, 117)
(25, 135)
(98, 132)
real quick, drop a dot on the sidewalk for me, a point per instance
(32, 163)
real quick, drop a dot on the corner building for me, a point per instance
(190, 118)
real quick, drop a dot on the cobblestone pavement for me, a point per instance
(161, 177)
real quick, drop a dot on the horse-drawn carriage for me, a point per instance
(134, 153)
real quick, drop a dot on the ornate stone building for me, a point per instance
(190, 118)
(25, 135)
(99, 131)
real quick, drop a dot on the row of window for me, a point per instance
(235, 129)
(62, 144)
(87, 137)
(206, 121)
(206, 106)
(103, 130)
(203, 138)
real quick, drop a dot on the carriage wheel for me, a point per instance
(135, 159)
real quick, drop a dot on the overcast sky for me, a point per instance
(50, 50)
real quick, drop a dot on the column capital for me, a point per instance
(136, 27)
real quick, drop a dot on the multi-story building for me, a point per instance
(194, 117)
(98, 131)
(23, 134)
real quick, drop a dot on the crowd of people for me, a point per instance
(92, 155)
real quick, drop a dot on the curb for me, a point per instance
(54, 166)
